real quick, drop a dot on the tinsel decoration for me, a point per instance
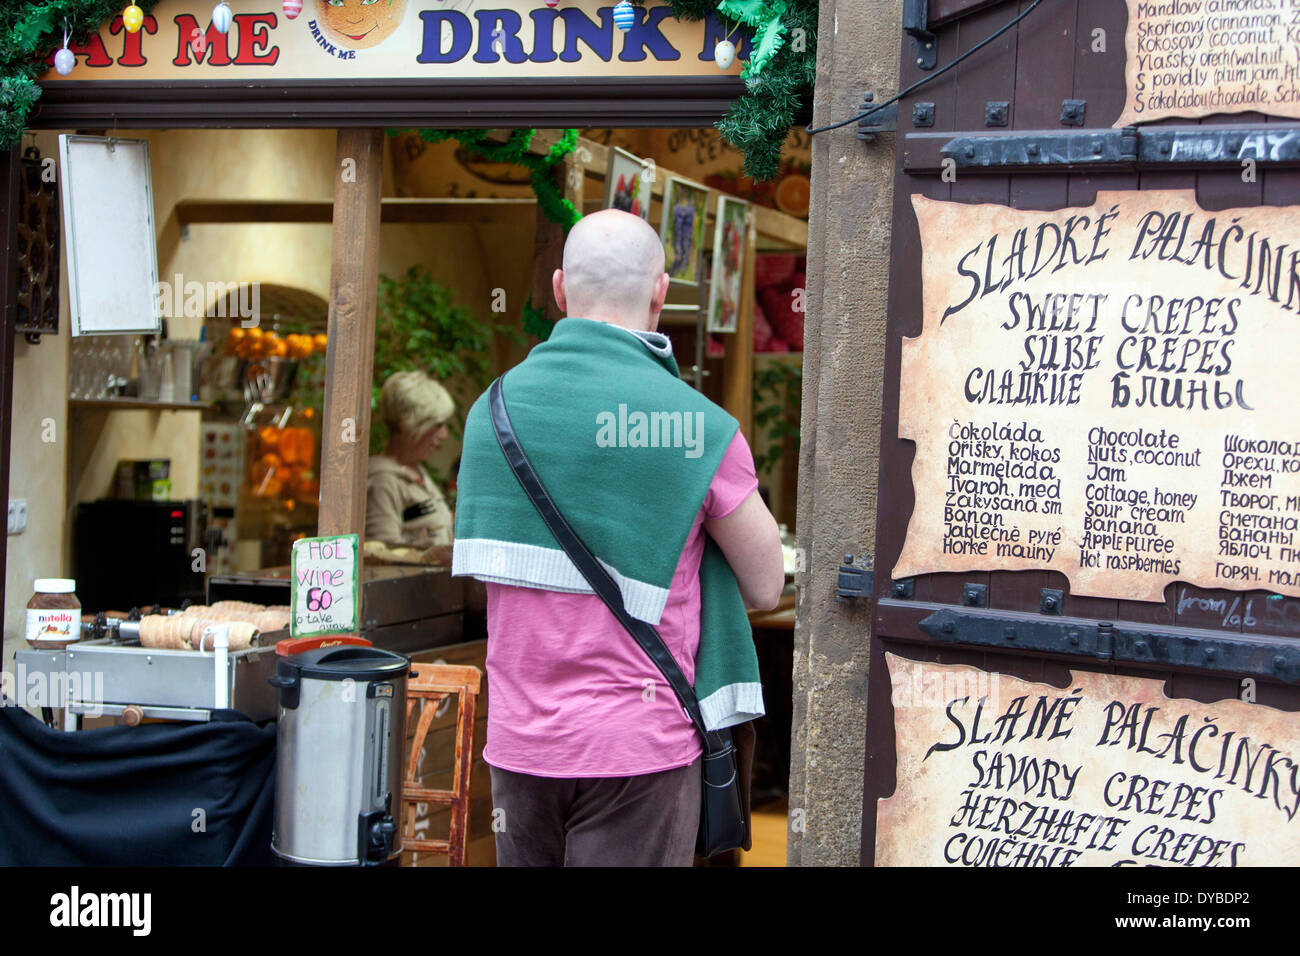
(29, 33)
(550, 198)
(535, 321)
(778, 75)
(541, 169)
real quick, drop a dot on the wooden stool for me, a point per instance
(431, 684)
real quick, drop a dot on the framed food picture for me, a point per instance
(728, 263)
(627, 183)
(682, 230)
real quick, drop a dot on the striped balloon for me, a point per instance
(624, 15)
(222, 17)
(292, 8)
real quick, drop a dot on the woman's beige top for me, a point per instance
(402, 511)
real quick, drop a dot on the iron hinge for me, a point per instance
(1129, 147)
(916, 25)
(1047, 148)
(1261, 656)
(883, 120)
(855, 582)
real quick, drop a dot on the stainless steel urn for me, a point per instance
(338, 770)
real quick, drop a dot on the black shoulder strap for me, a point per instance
(591, 569)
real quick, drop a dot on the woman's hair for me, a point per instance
(411, 403)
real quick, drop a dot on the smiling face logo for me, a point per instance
(360, 24)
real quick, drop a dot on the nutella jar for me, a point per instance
(53, 614)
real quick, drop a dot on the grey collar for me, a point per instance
(656, 342)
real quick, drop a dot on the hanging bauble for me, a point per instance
(132, 18)
(624, 15)
(724, 54)
(65, 60)
(198, 42)
(552, 3)
(222, 17)
(292, 8)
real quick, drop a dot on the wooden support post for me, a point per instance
(738, 362)
(350, 354)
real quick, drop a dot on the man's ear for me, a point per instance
(657, 300)
(557, 286)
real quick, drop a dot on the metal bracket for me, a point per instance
(922, 114)
(1273, 658)
(1050, 600)
(997, 112)
(916, 25)
(975, 595)
(904, 588)
(883, 120)
(1072, 112)
(855, 582)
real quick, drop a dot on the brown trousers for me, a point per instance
(648, 820)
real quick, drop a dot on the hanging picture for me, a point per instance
(627, 183)
(728, 264)
(683, 229)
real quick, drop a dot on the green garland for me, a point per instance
(541, 174)
(29, 31)
(779, 74)
(514, 150)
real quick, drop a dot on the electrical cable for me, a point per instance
(926, 79)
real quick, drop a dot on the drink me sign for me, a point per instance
(324, 587)
(401, 39)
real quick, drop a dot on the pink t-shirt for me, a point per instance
(571, 694)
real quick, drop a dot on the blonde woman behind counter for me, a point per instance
(404, 505)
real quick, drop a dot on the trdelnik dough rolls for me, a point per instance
(184, 632)
(242, 634)
(273, 618)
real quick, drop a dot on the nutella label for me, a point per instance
(55, 624)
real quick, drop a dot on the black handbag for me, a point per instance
(724, 809)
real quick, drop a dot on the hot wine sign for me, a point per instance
(325, 586)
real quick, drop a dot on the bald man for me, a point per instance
(593, 759)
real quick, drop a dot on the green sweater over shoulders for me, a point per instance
(627, 450)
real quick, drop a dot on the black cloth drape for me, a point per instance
(158, 794)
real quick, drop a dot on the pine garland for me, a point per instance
(30, 30)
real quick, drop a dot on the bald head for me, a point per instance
(613, 270)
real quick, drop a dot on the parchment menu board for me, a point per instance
(1105, 772)
(1110, 392)
(1197, 57)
